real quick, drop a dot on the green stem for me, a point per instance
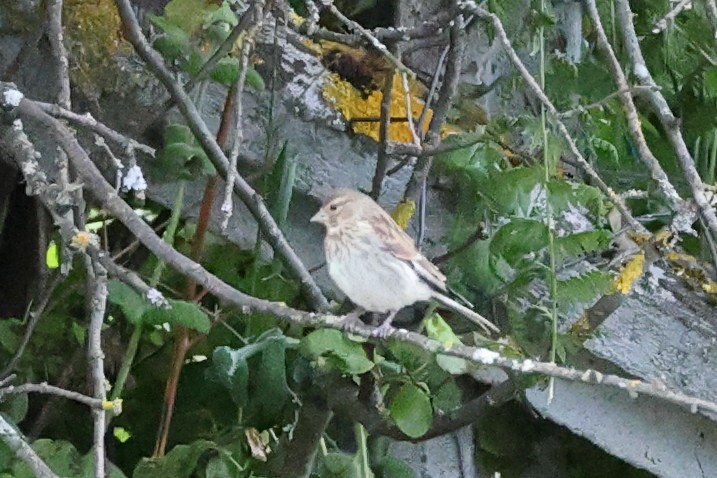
(364, 470)
(547, 167)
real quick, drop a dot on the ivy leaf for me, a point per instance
(438, 329)
(132, 304)
(180, 462)
(179, 312)
(347, 356)
(411, 410)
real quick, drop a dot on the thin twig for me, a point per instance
(46, 389)
(251, 199)
(383, 136)
(373, 41)
(658, 104)
(665, 21)
(59, 53)
(600, 103)
(228, 204)
(470, 240)
(87, 121)
(711, 12)
(35, 315)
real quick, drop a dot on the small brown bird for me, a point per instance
(376, 264)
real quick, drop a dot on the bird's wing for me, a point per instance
(397, 242)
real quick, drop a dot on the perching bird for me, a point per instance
(376, 264)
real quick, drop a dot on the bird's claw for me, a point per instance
(383, 331)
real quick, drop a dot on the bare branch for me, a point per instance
(665, 21)
(46, 389)
(97, 283)
(54, 27)
(17, 443)
(87, 121)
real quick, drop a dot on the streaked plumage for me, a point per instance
(375, 263)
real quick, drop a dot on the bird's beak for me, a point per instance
(319, 217)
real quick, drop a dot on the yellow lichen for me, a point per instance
(630, 273)
(355, 104)
(403, 212)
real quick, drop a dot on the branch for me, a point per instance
(87, 121)
(17, 443)
(249, 197)
(46, 389)
(97, 284)
(372, 40)
(670, 124)
(665, 21)
(711, 11)
(59, 53)
(562, 129)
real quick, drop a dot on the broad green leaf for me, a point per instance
(575, 245)
(132, 304)
(10, 335)
(438, 329)
(584, 288)
(337, 465)
(227, 71)
(411, 410)
(519, 240)
(230, 368)
(346, 355)
(394, 468)
(180, 312)
(180, 462)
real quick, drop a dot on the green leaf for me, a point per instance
(14, 406)
(584, 288)
(254, 80)
(132, 304)
(227, 71)
(346, 355)
(230, 368)
(438, 329)
(180, 462)
(121, 434)
(394, 468)
(337, 465)
(52, 256)
(575, 245)
(411, 410)
(10, 338)
(519, 240)
(180, 312)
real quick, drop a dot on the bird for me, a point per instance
(376, 263)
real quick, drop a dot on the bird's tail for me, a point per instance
(474, 317)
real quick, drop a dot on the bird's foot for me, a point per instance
(353, 317)
(385, 330)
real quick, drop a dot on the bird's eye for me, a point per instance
(333, 207)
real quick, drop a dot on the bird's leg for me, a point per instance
(385, 329)
(354, 316)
